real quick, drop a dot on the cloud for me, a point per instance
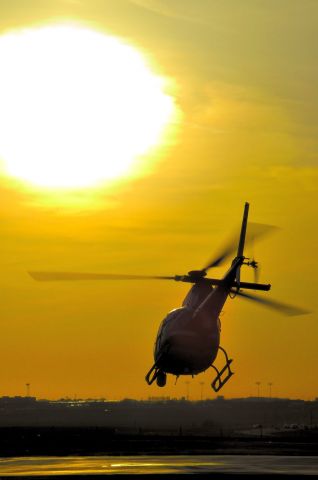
(179, 10)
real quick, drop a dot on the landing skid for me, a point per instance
(155, 373)
(218, 382)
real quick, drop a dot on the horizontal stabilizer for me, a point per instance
(254, 286)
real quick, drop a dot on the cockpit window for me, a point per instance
(171, 316)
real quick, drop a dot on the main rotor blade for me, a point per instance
(70, 276)
(283, 308)
(222, 256)
(254, 231)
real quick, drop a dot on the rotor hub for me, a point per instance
(197, 275)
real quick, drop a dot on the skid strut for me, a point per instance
(218, 382)
(152, 374)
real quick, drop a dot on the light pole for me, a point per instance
(270, 389)
(187, 384)
(258, 385)
(202, 386)
(27, 389)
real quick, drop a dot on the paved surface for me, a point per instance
(154, 465)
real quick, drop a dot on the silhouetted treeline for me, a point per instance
(257, 416)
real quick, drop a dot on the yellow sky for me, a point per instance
(244, 76)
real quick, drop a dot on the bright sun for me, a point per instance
(77, 107)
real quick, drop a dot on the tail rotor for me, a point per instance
(255, 265)
(256, 272)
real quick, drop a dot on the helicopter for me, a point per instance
(188, 339)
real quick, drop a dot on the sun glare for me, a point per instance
(77, 107)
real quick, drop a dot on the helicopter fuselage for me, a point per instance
(188, 338)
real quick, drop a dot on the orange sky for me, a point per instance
(244, 78)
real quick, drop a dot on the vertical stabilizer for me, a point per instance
(240, 249)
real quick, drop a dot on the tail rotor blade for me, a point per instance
(284, 308)
(74, 276)
(256, 274)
